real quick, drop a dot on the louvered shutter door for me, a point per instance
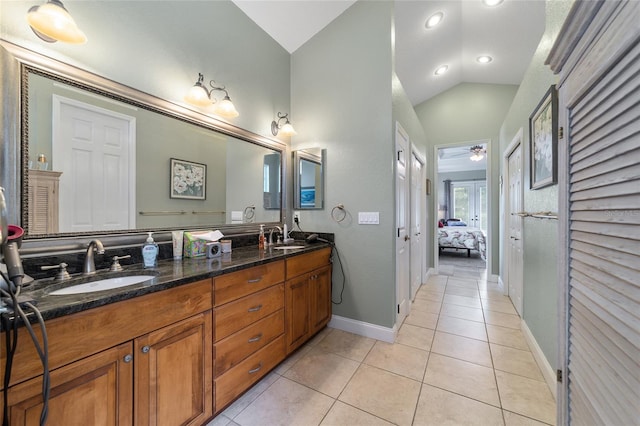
(604, 249)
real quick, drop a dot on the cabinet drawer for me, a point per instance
(233, 349)
(237, 315)
(235, 381)
(303, 263)
(235, 285)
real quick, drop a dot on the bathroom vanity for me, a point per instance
(177, 349)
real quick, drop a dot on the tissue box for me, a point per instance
(195, 243)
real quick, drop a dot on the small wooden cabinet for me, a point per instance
(307, 296)
(43, 201)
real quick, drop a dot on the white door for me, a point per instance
(402, 225)
(94, 148)
(514, 230)
(417, 245)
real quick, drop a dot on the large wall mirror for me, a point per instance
(102, 158)
(308, 178)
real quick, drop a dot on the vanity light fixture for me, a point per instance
(51, 22)
(492, 3)
(477, 152)
(287, 128)
(434, 20)
(200, 96)
(441, 70)
(484, 59)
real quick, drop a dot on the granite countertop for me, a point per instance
(168, 274)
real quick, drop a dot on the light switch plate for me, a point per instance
(368, 218)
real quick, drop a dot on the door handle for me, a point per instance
(407, 238)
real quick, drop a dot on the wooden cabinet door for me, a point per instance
(297, 324)
(97, 390)
(173, 376)
(320, 288)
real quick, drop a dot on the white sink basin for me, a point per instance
(101, 285)
(288, 247)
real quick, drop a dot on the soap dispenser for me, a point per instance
(150, 253)
(261, 242)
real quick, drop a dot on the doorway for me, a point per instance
(462, 210)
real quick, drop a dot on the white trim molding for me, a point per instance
(545, 368)
(365, 329)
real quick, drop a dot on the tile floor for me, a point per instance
(459, 359)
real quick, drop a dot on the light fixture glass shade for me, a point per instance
(51, 22)
(434, 20)
(441, 70)
(198, 96)
(287, 129)
(225, 108)
(485, 59)
(477, 157)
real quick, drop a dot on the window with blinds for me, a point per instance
(604, 249)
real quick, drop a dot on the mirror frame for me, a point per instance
(313, 155)
(17, 63)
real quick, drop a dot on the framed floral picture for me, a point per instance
(188, 180)
(543, 140)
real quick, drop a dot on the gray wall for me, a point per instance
(540, 236)
(342, 97)
(470, 112)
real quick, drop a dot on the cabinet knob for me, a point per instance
(145, 349)
(255, 308)
(255, 370)
(128, 358)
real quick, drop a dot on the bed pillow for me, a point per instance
(456, 223)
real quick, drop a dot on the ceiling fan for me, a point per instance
(474, 153)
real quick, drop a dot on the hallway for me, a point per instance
(459, 358)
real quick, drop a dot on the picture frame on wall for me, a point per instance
(543, 141)
(188, 180)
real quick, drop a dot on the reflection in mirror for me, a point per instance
(99, 164)
(308, 179)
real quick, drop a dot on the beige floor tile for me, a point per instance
(437, 279)
(463, 348)
(437, 286)
(426, 305)
(503, 320)
(462, 291)
(382, 394)
(494, 294)
(457, 311)
(507, 337)
(286, 403)
(462, 273)
(254, 392)
(462, 327)
(513, 419)
(399, 359)
(422, 319)
(441, 408)
(462, 282)
(323, 371)
(527, 397)
(504, 306)
(462, 377)
(346, 344)
(292, 359)
(319, 336)
(470, 302)
(431, 295)
(342, 414)
(417, 337)
(221, 420)
(515, 361)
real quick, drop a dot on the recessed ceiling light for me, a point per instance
(484, 59)
(434, 20)
(491, 3)
(441, 70)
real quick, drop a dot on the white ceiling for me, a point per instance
(509, 33)
(458, 158)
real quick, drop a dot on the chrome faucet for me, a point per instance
(271, 234)
(89, 266)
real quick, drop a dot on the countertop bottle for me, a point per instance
(150, 253)
(261, 244)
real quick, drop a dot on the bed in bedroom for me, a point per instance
(462, 238)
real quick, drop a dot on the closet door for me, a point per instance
(600, 76)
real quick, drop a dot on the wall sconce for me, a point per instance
(287, 128)
(477, 152)
(51, 22)
(200, 96)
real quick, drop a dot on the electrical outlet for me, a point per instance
(296, 217)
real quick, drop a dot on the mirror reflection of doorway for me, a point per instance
(462, 220)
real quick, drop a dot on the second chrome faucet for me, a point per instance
(89, 265)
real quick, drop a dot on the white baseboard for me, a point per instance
(547, 372)
(364, 328)
(493, 278)
(502, 286)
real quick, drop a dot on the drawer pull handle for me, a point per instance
(255, 370)
(255, 338)
(254, 280)
(255, 308)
